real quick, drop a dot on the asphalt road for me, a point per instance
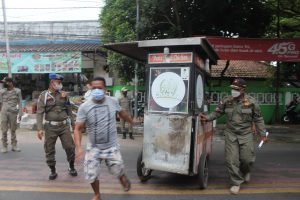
(24, 175)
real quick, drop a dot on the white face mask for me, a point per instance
(235, 93)
(58, 87)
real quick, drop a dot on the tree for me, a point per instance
(117, 25)
(290, 28)
(286, 24)
(178, 18)
(286, 19)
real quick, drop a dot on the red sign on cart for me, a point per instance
(170, 58)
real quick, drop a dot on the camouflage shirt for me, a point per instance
(56, 107)
(11, 100)
(241, 114)
(125, 104)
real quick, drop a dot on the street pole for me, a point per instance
(277, 118)
(6, 40)
(136, 64)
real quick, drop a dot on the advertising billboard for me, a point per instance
(287, 50)
(42, 62)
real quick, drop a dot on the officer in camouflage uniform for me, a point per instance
(242, 112)
(10, 106)
(125, 105)
(55, 105)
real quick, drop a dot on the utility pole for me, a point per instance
(6, 40)
(277, 118)
(136, 64)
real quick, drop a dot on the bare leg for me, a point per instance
(96, 189)
(125, 182)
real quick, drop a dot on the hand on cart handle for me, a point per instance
(203, 117)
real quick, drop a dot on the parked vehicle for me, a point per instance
(292, 115)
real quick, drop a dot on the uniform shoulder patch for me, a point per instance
(63, 94)
(248, 101)
(251, 99)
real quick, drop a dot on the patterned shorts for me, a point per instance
(93, 158)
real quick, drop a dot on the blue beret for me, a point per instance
(54, 76)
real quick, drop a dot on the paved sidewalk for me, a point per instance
(278, 132)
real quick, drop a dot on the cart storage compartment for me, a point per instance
(167, 143)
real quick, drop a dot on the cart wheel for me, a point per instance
(203, 171)
(143, 173)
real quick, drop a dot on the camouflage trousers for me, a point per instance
(9, 120)
(123, 129)
(52, 132)
(239, 158)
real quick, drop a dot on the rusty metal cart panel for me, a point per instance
(167, 143)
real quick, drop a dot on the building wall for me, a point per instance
(93, 66)
(52, 30)
(262, 92)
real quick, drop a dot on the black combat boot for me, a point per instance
(72, 170)
(53, 173)
(124, 135)
(130, 136)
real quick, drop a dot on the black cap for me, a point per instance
(238, 83)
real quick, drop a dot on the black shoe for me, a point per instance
(131, 137)
(72, 172)
(52, 176)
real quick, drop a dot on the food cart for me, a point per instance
(175, 140)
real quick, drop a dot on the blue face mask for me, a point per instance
(97, 94)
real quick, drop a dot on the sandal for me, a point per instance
(125, 183)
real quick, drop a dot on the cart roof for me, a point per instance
(138, 49)
(129, 49)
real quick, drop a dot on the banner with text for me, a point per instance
(42, 62)
(257, 49)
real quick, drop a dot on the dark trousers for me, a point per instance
(52, 132)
